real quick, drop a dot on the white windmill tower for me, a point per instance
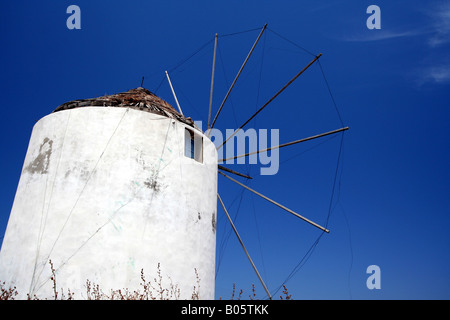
(111, 186)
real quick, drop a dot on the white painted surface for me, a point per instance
(104, 193)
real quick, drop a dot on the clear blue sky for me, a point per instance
(391, 203)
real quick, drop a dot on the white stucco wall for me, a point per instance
(105, 192)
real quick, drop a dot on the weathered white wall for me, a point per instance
(104, 193)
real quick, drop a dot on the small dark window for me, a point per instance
(193, 145)
(189, 144)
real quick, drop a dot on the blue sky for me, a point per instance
(391, 202)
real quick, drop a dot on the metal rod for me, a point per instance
(234, 172)
(277, 204)
(173, 92)
(287, 144)
(212, 80)
(271, 99)
(243, 247)
(238, 74)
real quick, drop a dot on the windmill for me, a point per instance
(121, 182)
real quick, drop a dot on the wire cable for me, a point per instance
(226, 237)
(310, 251)
(79, 196)
(226, 82)
(331, 94)
(239, 32)
(179, 64)
(291, 42)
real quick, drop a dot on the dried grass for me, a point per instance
(149, 290)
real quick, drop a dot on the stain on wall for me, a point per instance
(213, 222)
(153, 182)
(40, 164)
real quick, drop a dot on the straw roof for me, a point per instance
(139, 98)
